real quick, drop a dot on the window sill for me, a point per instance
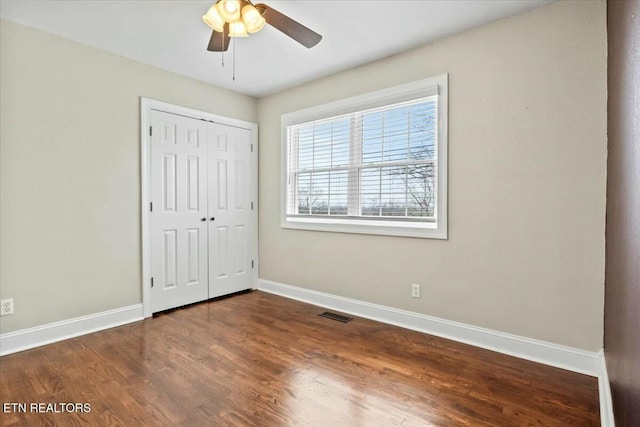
(425, 230)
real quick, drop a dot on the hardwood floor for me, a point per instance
(262, 360)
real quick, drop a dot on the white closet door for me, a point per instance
(179, 261)
(230, 228)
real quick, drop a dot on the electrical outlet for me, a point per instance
(415, 290)
(6, 307)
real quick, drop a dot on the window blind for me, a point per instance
(377, 163)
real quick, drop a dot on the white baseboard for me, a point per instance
(25, 339)
(606, 404)
(569, 358)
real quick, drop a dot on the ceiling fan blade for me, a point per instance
(293, 29)
(219, 42)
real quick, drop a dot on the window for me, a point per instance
(372, 164)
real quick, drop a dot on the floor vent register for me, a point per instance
(334, 316)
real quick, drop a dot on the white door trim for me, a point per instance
(146, 106)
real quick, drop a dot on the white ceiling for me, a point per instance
(171, 35)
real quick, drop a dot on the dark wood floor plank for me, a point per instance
(261, 360)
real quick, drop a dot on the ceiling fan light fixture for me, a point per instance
(238, 18)
(237, 29)
(213, 19)
(229, 10)
(252, 19)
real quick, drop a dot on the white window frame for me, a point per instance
(400, 227)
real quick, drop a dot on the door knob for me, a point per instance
(203, 219)
(213, 218)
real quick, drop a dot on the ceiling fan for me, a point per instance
(238, 18)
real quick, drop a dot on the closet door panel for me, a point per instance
(229, 186)
(179, 254)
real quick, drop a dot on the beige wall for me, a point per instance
(70, 172)
(527, 164)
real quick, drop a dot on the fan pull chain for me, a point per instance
(222, 35)
(234, 59)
